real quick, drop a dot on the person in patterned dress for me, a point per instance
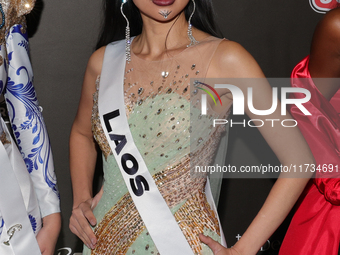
(29, 199)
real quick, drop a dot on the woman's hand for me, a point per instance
(216, 247)
(48, 235)
(83, 156)
(81, 218)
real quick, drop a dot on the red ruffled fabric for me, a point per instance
(315, 227)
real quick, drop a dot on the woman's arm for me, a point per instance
(48, 235)
(31, 135)
(288, 144)
(325, 54)
(83, 155)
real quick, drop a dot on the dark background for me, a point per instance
(63, 34)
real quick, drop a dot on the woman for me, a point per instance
(29, 200)
(317, 218)
(161, 59)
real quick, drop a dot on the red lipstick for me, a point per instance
(163, 2)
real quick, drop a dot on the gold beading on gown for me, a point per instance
(158, 99)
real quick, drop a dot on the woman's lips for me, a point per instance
(163, 2)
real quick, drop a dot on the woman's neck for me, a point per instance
(158, 38)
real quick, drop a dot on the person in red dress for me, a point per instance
(315, 227)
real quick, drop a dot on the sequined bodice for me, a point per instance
(160, 106)
(159, 100)
(14, 11)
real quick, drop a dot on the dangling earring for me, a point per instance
(3, 16)
(127, 34)
(192, 39)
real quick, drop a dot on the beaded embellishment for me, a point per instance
(122, 224)
(158, 112)
(97, 129)
(13, 12)
(3, 138)
(2, 17)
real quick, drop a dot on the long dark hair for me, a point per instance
(113, 28)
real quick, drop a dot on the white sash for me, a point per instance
(17, 235)
(150, 204)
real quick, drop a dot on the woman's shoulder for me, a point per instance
(227, 50)
(332, 17)
(231, 59)
(95, 62)
(329, 26)
(223, 49)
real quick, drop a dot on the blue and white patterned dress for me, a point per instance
(30, 155)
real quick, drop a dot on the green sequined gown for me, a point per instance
(158, 99)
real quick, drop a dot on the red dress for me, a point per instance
(315, 227)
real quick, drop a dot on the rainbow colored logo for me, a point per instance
(208, 92)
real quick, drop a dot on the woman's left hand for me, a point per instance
(216, 247)
(48, 234)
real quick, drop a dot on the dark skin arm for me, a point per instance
(325, 54)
